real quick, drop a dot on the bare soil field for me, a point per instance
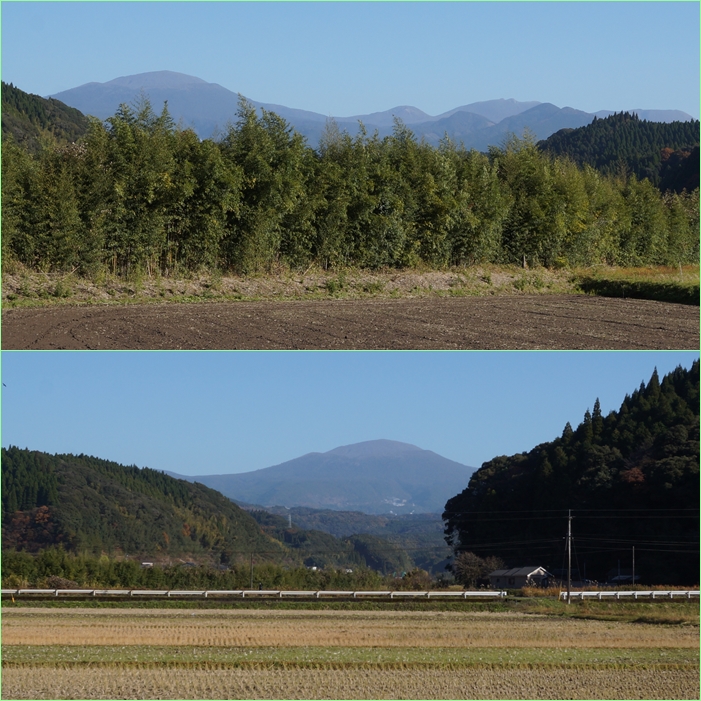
(501, 322)
(107, 682)
(320, 654)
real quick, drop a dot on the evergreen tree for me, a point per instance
(642, 458)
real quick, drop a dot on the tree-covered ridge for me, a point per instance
(320, 549)
(631, 479)
(94, 505)
(28, 481)
(31, 119)
(624, 142)
(140, 195)
(89, 505)
(420, 535)
(679, 169)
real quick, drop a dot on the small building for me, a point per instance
(518, 577)
(621, 576)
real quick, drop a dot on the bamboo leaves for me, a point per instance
(140, 195)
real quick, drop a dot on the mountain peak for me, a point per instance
(206, 106)
(381, 448)
(156, 79)
(373, 477)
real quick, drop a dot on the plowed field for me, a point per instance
(488, 323)
(304, 654)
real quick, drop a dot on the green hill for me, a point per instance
(625, 143)
(89, 505)
(93, 505)
(29, 119)
(631, 479)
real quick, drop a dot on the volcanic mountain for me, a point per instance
(209, 107)
(373, 477)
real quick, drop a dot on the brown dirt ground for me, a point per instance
(108, 682)
(506, 322)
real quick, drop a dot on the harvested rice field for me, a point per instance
(326, 654)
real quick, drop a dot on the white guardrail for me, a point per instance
(669, 594)
(251, 593)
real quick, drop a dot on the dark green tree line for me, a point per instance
(625, 142)
(21, 569)
(138, 194)
(631, 479)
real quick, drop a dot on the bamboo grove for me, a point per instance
(140, 194)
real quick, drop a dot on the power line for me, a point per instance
(467, 517)
(561, 511)
(635, 542)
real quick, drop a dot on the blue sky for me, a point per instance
(217, 412)
(348, 58)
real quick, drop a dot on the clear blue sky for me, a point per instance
(217, 412)
(348, 58)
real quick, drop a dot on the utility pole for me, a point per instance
(634, 564)
(251, 569)
(569, 555)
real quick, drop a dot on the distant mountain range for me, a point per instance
(374, 477)
(209, 107)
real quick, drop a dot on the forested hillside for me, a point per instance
(625, 143)
(321, 549)
(88, 505)
(91, 505)
(631, 479)
(31, 119)
(419, 535)
(139, 196)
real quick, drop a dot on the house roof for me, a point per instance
(519, 572)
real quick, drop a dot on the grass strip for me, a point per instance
(676, 292)
(656, 611)
(342, 657)
(263, 604)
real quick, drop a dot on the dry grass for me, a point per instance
(686, 274)
(329, 683)
(255, 628)
(662, 283)
(273, 654)
(23, 287)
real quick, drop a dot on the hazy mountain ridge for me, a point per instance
(372, 477)
(208, 107)
(421, 535)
